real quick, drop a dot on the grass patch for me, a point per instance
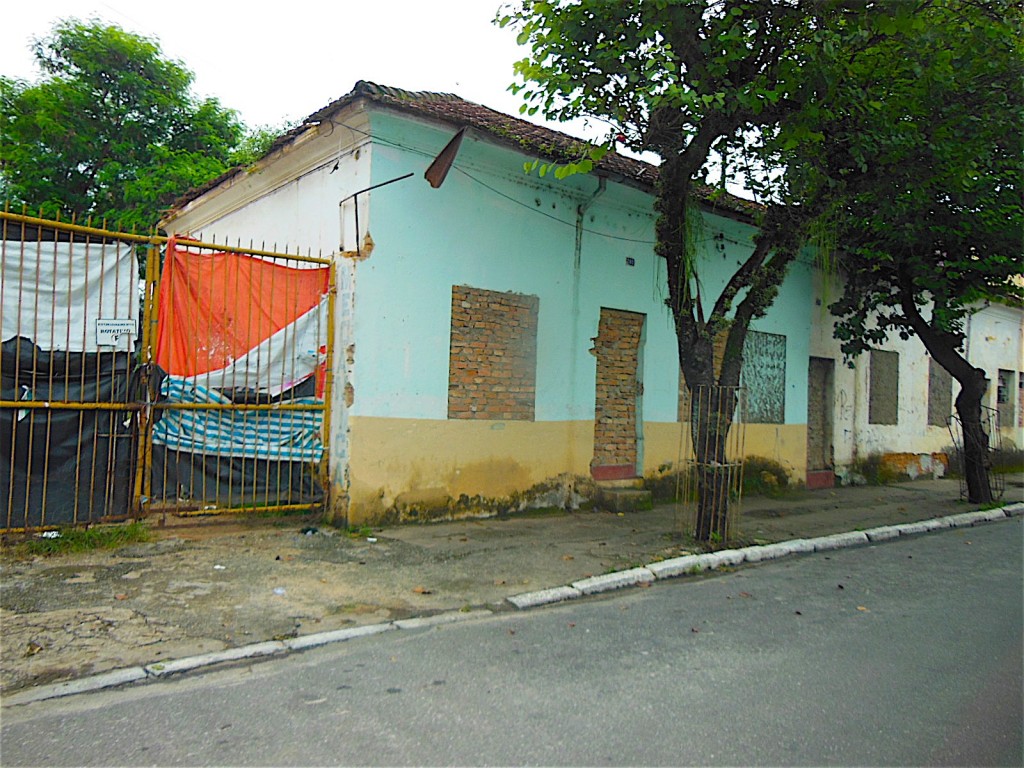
(70, 540)
(359, 531)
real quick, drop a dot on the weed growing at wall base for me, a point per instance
(67, 540)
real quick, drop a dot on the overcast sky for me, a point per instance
(280, 61)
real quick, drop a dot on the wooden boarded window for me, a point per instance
(1004, 397)
(764, 377)
(492, 363)
(884, 387)
(940, 394)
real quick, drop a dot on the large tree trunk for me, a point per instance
(712, 411)
(975, 439)
(695, 341)
(943, 346)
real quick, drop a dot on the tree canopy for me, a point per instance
(877, 125)
(111, 130)
(681, 78)
(928, 173)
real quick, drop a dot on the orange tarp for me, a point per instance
(215, 307)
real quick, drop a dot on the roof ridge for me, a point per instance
(511, 130)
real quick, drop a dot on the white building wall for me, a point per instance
(299, 202)
(995, 340)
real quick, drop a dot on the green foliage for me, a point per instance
(69, 540)
(927, 164)
(256, 143)
(359, 531)
(112, 129)
(683, 78)
(764, 477)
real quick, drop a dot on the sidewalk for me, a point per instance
(212, 585)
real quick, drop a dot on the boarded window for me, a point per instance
(1004, 397)
(492, 364)
(1020, 399)
(764, 377)
(884, 387)
(940, 394)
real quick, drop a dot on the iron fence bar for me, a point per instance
(139, 404)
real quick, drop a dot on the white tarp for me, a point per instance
(54, 293)
(283, 360)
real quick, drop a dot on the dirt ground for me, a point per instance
(205, 584)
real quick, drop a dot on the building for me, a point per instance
(504, 335)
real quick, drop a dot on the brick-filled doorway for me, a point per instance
(618, 420)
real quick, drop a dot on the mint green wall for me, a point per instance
(491, 226)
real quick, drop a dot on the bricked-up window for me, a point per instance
(884, 387)
(492, 364)
(764, 377)
(940, 394)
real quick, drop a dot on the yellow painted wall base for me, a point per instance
(405, 463)
(397, 462)
(668, 443)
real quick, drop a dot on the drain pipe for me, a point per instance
(577, 261)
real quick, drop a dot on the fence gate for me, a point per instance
(201, 387)
(69, 308)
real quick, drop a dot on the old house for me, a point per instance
(504, 334)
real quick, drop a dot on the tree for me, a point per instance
(112, 130)
(928, 171)
(680, 78)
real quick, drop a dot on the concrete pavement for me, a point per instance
(212, 591)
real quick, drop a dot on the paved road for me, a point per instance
(908, 652)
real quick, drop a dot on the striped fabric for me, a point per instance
(250, 434)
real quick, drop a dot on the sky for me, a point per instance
(277, 62)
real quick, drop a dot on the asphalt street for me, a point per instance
(906, 652)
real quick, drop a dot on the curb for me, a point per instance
(663, 569)
(696, 564)
(163, 669)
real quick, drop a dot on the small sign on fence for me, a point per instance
(108, 331)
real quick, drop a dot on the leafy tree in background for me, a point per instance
(927, 164)
(681, 78)
(112, 130)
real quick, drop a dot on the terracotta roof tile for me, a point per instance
(514, 132)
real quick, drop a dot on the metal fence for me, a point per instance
(709, 468)
(201, 386)
(991, 443)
